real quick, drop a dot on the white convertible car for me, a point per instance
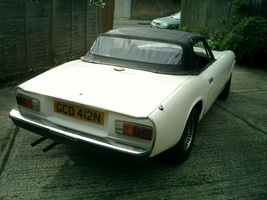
(137, 93)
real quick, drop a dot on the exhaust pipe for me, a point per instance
(38, 141)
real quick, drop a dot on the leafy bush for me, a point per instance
(229, 23)
(200, 31)
(249, 41)
(97, 2)
(215, 38)
(246, 36)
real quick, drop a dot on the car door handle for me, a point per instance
(211, 80)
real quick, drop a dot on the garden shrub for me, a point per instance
(248, 40)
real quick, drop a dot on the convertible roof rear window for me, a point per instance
(147, 49)
(137, 50)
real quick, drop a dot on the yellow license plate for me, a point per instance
(79, 113)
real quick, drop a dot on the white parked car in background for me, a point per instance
(170, 22)
(137, 93)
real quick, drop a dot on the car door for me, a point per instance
(213, 76)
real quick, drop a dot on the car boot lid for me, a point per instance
(127, 91)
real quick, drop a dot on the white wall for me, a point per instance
(122, 9)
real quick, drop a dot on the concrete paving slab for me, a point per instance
(248, 99)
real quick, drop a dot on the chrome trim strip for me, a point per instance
(55, 130)
(154, 133)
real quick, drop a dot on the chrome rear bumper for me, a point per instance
(95, 145)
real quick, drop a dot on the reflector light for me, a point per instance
(128, 129)
(28, 102)
(146, 134)
(133, 130)
(138, 132)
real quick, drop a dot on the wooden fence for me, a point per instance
(36, 35)
(206, 14)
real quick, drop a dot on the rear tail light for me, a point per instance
(133, 130)
(28, 102)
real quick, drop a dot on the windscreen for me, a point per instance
(137, 50)
(176, 16)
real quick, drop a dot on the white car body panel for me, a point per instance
(130, 92)
(195, 89)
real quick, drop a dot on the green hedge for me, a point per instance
(249, 42)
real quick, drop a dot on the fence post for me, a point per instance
(107, 16)
(53, 34)
(182, 13)
(71, 31)
(26, 36)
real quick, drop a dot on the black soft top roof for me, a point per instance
(160, 35)
(184, 39)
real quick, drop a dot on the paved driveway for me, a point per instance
(229, 160)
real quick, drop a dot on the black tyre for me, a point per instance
(224, 94)
(175, 28)
(180, 152)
